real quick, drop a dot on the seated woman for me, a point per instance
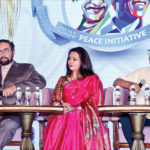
(79, 92)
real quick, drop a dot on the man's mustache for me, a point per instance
(4, 58)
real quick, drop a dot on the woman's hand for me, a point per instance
(67, 108)
(56, 104)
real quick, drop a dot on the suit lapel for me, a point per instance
(9, 79)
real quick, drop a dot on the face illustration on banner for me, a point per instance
(94, 14)
(132, 8)
(94, 10)
(100, 19)
(138, 8)
(129, 16)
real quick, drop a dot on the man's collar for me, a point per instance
(7, 66)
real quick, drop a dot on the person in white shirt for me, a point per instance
(133, 78)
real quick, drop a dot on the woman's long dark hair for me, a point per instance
(86, 65)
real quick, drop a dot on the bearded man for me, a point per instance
(13, 75)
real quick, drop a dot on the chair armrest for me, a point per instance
(116, 117)
(42, 118)
(106, 119)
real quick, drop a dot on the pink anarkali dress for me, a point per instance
(81, 128)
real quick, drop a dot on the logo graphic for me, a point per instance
(102, 25)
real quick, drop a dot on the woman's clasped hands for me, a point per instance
(68, 107)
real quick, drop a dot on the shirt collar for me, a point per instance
(7, 66)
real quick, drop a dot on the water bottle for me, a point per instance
(37, 95)
(147, 94)
(18, 96)
(132, 95)
(27, 96)
(117, 95)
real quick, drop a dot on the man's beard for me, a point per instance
(6, 62)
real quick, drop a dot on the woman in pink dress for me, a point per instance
(79, 92)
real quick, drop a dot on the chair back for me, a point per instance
(124, 100)
(108, 96)
(108, 100)
(47, 94)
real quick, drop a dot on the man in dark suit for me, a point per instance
(13, 75)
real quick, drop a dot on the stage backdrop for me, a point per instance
(114, 32)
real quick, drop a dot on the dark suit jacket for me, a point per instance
(21, 75)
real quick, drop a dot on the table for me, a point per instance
(137, 116)
(124, 108)
(27, 115)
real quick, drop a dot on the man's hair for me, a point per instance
(86, 65)
(9, 42)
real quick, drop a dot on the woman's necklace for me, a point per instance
(73, 88)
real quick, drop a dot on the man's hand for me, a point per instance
(127, 84)
(137, 87)
(9, 91)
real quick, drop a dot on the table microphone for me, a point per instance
(1, 93)
(141, 83)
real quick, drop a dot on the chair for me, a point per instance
(118, 136)
(108, 96)
(17, 139)
(47, 94)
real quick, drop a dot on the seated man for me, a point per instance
(133, 78)
(13, 75)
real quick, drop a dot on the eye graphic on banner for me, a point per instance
(102, 25)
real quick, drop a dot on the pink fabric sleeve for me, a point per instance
(96, 91)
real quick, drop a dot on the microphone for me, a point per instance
(141, 83)
(1, 93)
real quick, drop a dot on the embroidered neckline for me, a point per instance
(73, 79)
